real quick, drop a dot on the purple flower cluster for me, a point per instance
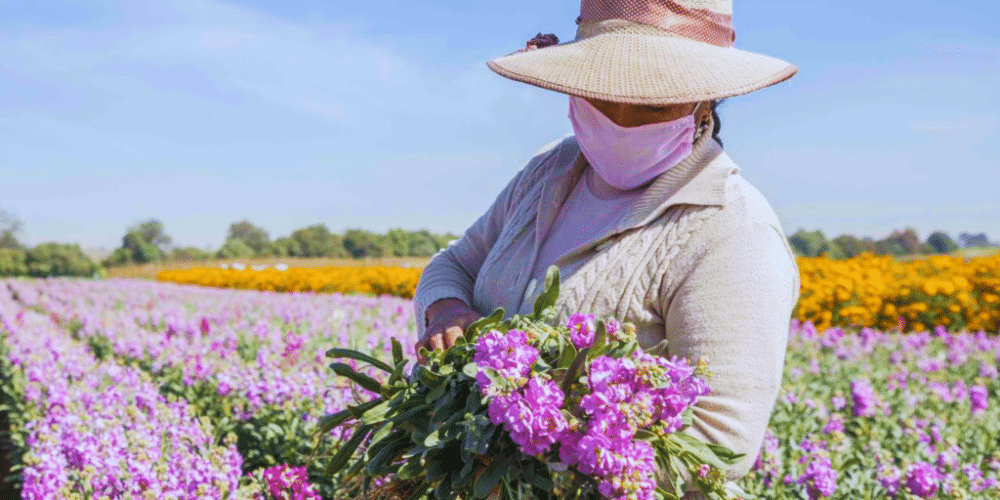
(623, 396)
(289, 483)
(581, 329)
(508, 355)
(863, 396)
(922, 479)
(819, 476)
(620, 397)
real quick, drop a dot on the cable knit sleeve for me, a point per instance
(734, 307)
(452, 272)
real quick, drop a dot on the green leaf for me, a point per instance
(346, 450)
(397, 351)
(338, 352)
(644, 435)
(568, 355)
(433, 439)
(600, 345)
(470, 369)
(377, 413)
(574, 367)
(491, 476)
(411, 470)
(481, 323)
(358, 411)
(328, 422)
(388, 454)
(345, 370)
(429, 378)
(698, 449)
(725, 454)
(550, 294)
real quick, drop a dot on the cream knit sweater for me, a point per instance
(700, 264)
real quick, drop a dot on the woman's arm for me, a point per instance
(734, 307)
(452, 272)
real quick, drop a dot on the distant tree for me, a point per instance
(832, 251)
(910, 241)
(189, 254)
(286, 247)
(235, 249)
(399, 242)
(10, 230)
(13, 262)
(892, 245)
(445, 239)
(56, 259)
(852, 246)
(152, 231)
(424, 244)
(361, 243)
(808, 244)
(143, 243)
(317, 241)
(966, 240)
(253, 236)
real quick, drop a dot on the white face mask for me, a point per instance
(628, 157)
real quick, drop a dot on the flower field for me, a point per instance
(138, 389)
(873, 291)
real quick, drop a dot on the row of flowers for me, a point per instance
(873, 291)
(374, 280)
(881, 292)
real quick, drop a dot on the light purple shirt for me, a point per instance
(592, 209)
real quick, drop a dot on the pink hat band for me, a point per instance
(706, 21)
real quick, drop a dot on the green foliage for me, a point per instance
(189, 254)
(254, 237)
(360, 243)
(152, 231)
(851, 246)
(56, 259)
(13, 262)
(316, 241)
(143, 243)
(940, 242)
(286, 247)
(808, 244)
(235, 249)
(900, 243)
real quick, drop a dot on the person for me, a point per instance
(643, 212)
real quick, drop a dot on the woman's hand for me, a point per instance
(447, 320)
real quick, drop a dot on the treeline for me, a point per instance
(899, 243)
(148, 242)
(46, 259)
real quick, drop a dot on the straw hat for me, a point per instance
(653, 52)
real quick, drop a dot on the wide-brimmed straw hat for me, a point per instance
(653, 52)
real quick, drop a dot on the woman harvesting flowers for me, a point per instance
(647, 218)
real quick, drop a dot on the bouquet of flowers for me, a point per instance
(519, 408)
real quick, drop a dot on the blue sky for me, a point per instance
(384, 114)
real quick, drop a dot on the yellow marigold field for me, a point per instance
(375, 280)
(874, 291)
(878, 291)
